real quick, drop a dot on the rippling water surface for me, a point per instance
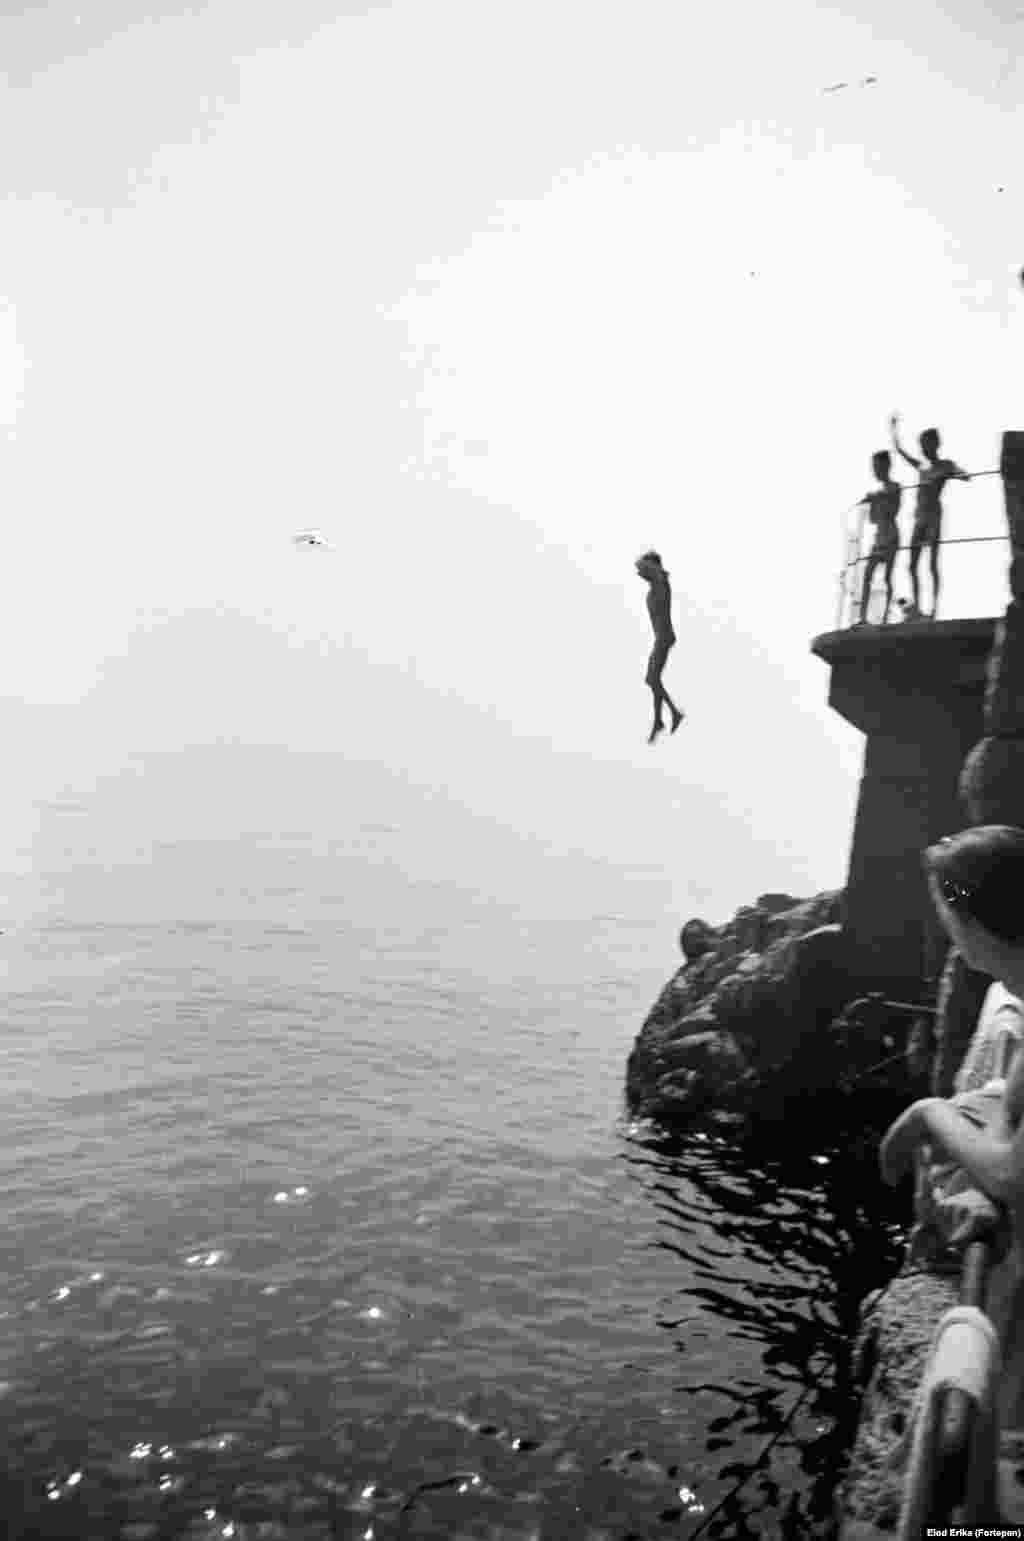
(320, 1216)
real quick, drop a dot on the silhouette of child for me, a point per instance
(883, 507)
(933, 476)
(659, 608)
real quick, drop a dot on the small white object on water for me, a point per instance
(820, 1160)
(94, 1278)
(63, 1292)
(300, 1193)
(281, 1198)
(312, 538)
(374, 1313)
(74, 1479)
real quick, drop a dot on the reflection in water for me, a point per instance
(784, 1238)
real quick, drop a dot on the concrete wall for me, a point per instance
(916, 692)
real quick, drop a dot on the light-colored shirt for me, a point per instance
(998, 1033)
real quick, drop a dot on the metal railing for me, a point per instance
(855, 559)
(851, 582)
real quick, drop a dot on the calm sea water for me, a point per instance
(321, 1217)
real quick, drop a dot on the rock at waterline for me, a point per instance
(753, 995)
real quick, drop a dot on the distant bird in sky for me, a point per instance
(312, 538)
(844, 85)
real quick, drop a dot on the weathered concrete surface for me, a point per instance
(892, 1351)
(916, 694)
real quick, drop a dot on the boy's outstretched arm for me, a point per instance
(894, 434)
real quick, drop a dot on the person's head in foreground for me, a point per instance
(976, 880)
(881, 464)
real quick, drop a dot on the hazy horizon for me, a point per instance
(495, 298)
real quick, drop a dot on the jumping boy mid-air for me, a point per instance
(659, 608)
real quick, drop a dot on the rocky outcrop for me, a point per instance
(753, 996)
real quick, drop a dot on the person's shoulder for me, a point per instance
(999, 1002)
(1002, 998)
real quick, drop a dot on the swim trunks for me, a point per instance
(927, 528)
(883, 508)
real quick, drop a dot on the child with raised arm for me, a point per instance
(933, 474)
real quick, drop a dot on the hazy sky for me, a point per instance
(496, 295)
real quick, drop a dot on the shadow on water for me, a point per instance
(783, 1226)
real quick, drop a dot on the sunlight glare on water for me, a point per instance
(340, 1224)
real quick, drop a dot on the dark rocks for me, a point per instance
(751, 996)
(992, 781)
(774, 903)
(695, 939)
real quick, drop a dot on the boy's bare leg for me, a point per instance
(915, 557)
(869, 573)
(658, 725)
(677, 715)
(888, 589)
(934, 559)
